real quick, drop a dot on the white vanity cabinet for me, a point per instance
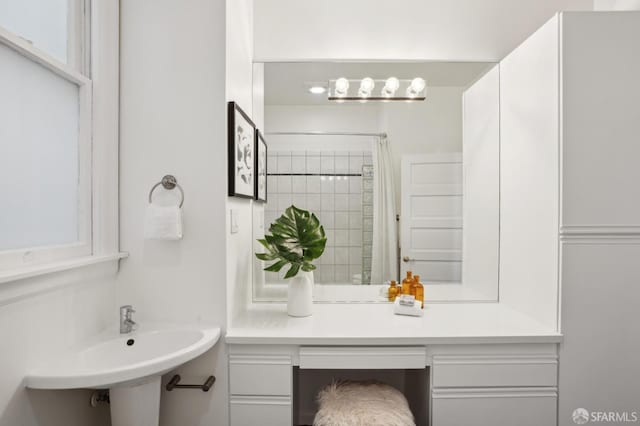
(465, 384)
(496, 389)
(260, 388)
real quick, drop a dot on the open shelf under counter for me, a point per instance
(375, 324)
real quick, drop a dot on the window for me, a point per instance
(45, 133)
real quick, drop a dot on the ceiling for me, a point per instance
(287, 83)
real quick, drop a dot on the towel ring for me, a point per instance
(168, 182)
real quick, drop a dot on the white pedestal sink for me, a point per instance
(129, 365)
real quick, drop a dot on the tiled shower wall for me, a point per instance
(331, 185)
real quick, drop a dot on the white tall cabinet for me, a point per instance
(570, 201)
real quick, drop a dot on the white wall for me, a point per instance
(429, 127)
(529, 176)
(34, 327)
(616, 4)
(432, 126)
(481, 184)
(240, 88)
(173, 120)
(403, 29)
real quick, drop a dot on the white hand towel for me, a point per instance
(163, 223)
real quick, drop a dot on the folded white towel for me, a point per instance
(163, 223)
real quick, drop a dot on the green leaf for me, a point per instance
(293, 270)
(276, 266)
(308, 267)
(295, 238)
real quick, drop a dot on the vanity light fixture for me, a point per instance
(361, 90)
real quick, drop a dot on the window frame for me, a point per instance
(93, 51)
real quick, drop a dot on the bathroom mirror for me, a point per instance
(399, 161)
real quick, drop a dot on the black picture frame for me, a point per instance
(241, 135)
(261, 168)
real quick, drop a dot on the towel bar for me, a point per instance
(168, 182)
(173, 384)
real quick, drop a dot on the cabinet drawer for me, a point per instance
(263, 411)
(480, 371)
(268, 375)
(355, 358)
(491, 407)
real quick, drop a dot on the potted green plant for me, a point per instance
(296, 239)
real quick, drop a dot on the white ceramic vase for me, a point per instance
(300, 300)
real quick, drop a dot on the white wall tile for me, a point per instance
(284, 184)
(272, 184)
(272, 163)
(341, 238)
(355, 164)
(355, 254)
(328, 257)
(327, 219)
(300, 201)
(327, 164)
(331, 237)
(355, 237)
(355, 183)
(313, 164)
(342, 274)
(355, 220)
(341, 256)
(299, 184)
(327, 202)
(342, 220)
(342, 185)
(355, 273)
(355, 202)
(313, 202)
(313, 185)
(284, 164)
(342, 164)
(327, 185)
(342, 202)
(284, 202)
(298, 164)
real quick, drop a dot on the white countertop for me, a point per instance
(375, 324)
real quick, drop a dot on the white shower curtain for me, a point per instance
(384, 251)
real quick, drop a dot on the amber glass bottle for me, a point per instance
(393, 291)
(417, 289)
(406, 284)
(412, 287)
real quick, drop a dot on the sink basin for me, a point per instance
(114, 359)
(130, 365)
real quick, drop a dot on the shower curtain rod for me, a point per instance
(380, 135)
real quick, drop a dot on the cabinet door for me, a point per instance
(494, 406)
(263, 411)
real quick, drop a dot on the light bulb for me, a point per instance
(390, 87)
(342, 87)
(317, 90)
(366, 87)
(417, 85)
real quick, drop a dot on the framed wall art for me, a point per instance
(241, 147)
(261, 167)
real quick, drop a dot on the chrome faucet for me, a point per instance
(127, 325)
